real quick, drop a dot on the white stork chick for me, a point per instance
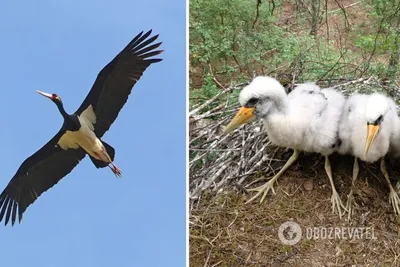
(307, 119)
(368, 129)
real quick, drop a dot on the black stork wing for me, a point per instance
(36, 175)
(114, 83)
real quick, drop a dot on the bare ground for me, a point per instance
(224, 231)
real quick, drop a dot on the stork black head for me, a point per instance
(56, 99)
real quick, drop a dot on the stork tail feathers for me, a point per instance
(110, 152)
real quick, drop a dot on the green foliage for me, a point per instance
(228, 41)
(221, 29)
(385, 39)
(209, 88)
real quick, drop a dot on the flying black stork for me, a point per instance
(81, 131)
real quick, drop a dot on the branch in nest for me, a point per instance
(211, 100)
(208, 102)
(360, 80)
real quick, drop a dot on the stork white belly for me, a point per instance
(84, 137)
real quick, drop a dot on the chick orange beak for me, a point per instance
(243, 116)
(372, 131)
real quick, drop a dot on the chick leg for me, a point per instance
(393, 196)
(350, 198)
(264, 189)
(335, 199)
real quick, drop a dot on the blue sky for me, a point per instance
(91, 218)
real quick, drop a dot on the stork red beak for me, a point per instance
(372, 131)
(50, 96)
(243, 116)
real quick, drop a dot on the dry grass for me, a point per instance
(224, 231)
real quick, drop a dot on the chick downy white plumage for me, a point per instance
(307, 119)
(368, 129)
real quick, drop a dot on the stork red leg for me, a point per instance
(106, 158)
(117, 171)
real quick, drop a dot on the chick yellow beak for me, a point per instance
(372, 131)
(243, 116)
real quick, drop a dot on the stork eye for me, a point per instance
(252, 102)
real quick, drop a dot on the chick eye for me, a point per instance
(252, 102)
(379, 120)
